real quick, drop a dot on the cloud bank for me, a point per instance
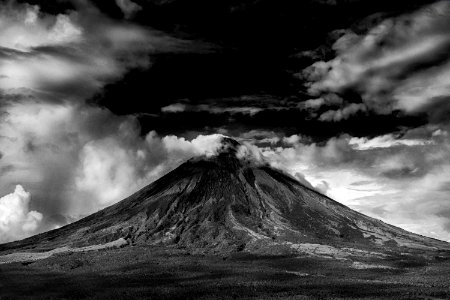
(399, 63)
(16, 220)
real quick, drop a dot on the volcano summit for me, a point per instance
(232, 201)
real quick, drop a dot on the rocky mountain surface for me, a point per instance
(230, 201)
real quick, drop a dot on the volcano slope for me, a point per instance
(229, 205)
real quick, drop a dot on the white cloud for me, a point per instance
(207, 144)
(108, 171)
(23, 29)
(322, 187)
(174, 108)
(302, 179)
(43, 72)
(397, 164)
(128, 7)
(180, 107)
(44, 145)
(293, 139)
(397, 64)
(314, 103)
(414, 205)
(423, 89)
(202, 145)
(343, 113)
(16, 220)
(385, 141)
(72, 54)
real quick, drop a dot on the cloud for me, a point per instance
(108, 171)
(207, 145)
(16, 220)
(72, 55)
(211, 108)
(322, 187)
(302, 179)
(397, 166)
(201, 145)
(293, 139)
(23, 28)
(42, 143)
(419, 91)
(174, 108)
(343, 113)
(261, 136)
(385, 141)
(128, 7)
(314, 103)
(400, 63)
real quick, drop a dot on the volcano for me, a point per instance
(232, 201)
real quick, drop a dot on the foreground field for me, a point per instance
(156, 273)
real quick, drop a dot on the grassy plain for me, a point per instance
(159, 273)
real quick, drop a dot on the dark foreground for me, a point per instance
(156, 273)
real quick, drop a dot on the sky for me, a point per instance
(100, 98)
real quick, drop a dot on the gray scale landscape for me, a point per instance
(226, 226)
